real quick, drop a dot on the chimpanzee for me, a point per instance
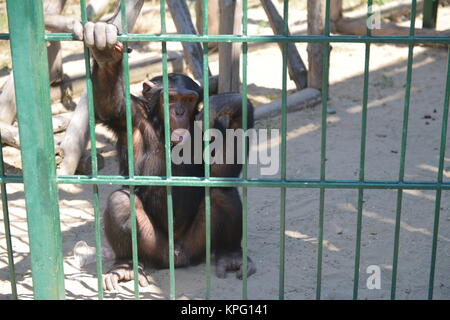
(149, 159)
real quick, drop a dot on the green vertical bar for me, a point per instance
(98, 241)
(168, 158)
(403, 151)
(362, 158)
(430, 10)
(96, 197)
(129, 121)
(207, 167)
(6, 222)
(323, 145)
(244, 152)
(29, 57)
(439, 179)
(283, 153)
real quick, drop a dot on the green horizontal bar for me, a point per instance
(263, 183)
(4, 36)
(11, 178)
(228, 182)
(262, 38)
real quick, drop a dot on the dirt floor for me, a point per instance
(386, 101)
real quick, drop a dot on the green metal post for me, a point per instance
(244, 152)
(207, 167)
(170, 219)
(323, 147)
(401, 175)
(29, 57)
(281, 276)
(130, 151)
(94, 166)
(440, 177)
(362, 158)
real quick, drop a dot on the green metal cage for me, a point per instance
(29, 55)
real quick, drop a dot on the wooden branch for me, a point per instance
(10, 135)
(61, 121)
(53, 9)
(8, 101)
(229, 53)
(133, 8)
(193, 52)
(55, 65)
(54, 6)
(76, 137)
(96, 9)
(59, 23)
(296, 67)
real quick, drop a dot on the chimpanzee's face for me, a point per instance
(184, 96)
(182, 106)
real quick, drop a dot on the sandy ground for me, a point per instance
(386, 100)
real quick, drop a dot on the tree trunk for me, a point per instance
(316, 20)
(229, 53)
(213, 19)
(335, 10)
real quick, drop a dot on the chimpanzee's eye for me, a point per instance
(189, 99)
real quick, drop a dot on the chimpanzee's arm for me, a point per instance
(107, 74)
(230, 104)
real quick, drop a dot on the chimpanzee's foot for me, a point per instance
(122, 272)
(233, 262)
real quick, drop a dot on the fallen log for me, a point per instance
(297, 101)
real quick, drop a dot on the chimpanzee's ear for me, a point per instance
(147, 86)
